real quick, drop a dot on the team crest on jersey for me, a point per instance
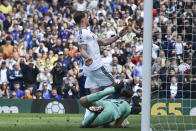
(88, 37)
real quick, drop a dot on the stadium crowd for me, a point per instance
(40, 59)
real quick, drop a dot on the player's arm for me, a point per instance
(119, 122)
(84, 54)
(110, 40)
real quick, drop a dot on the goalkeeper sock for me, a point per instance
(87, 112)
(89, 119)
(97, 96)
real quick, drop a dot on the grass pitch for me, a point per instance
(45, 122)
(71, 122)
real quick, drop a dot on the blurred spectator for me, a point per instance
(54, 94)
(15, 30)
(138, 69)
(175, 90)
(7, 48)
(27, 94)
(115, 73)
(128, 38)
(45, 77)
(30, 72)
(38, 94)
(106, 58)
(70, 87)
(4, 91)
(80, 5)
(16, 75)
(17, 90)
(127, 81)
(41, 49)
(42, 7)
(137, 84)
(129, 67)
(155, 49)
(57, 47)
(4, 73)
(13, 95)
(1, 58)
(135, 102)
(155, 84)
(78, 59)
(64, 61)
(179, 46)
(163, 74)
(73, 50)
(115, 64)
(45, 90)
(58, 73)
(32, 90)
(67, 56)
(5, 7)
(138, 44)
(157, 65)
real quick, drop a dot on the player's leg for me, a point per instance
(91, 85)
(87, 112)
(93, 81)
(105, 117)
(87, 101)
(105, 79)
(95, 119)
(88, 120)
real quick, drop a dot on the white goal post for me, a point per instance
(147, 60)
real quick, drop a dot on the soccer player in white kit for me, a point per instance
(97, 74)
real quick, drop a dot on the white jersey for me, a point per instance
(86, 37)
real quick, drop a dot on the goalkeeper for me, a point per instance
(104, 111)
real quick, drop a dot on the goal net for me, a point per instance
(173, 105)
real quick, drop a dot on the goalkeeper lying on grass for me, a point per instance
(105, 111)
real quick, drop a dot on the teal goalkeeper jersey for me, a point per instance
(119, 107)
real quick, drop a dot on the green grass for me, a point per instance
(71, 122)
(45, 122)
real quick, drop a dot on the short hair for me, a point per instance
(78, 16)
(16, 83)
(139, 90)
(126, 94)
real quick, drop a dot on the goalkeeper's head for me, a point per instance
(126, 95)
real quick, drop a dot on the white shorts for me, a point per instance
(99, 78)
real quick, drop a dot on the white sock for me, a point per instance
(87, 112)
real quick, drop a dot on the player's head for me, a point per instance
(126, 95)
(81, 18)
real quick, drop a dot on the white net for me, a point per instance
(173, 69)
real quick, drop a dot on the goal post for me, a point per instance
(169, 66)
(147, 63)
